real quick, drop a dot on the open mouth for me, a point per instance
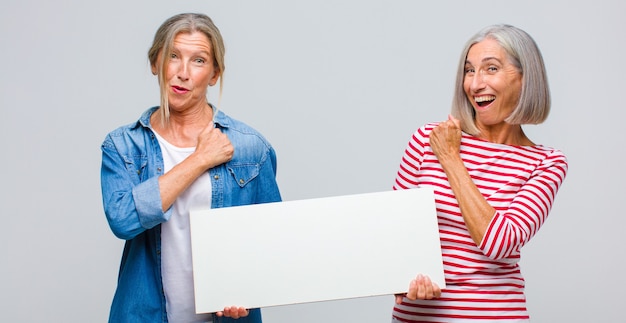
(483, 101)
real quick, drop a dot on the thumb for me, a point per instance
(399, 298)
(455, 120)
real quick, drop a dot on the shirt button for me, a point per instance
(216, 177)
(241, 181)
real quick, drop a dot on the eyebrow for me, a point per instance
(195, 52)
(202, 52)
(486, 59)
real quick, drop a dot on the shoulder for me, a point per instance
(130, 132)
(428, 127)
(239, 130)
(424, 131)
(553, 157)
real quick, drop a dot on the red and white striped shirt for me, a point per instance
(484, 282)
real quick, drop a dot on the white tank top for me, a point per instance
(176, 267)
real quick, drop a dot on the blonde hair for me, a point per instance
(163, 43)
(534, 102)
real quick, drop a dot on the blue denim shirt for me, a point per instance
(131, 164)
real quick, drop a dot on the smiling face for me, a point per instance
(189, 72)
(492, 83)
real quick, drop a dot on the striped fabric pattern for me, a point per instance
(484, 282)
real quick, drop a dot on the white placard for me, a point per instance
(314, 250)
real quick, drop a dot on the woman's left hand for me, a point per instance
(234, 312)
(420, 288)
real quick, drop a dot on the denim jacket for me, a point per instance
(131, 164)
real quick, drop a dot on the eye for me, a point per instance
(173, 55)
(469, 70)
(200, 60)
(492, 69)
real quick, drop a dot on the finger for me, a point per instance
(228, 312)
(437, 290)
(243, 312)
(428, 288)
(208, 129)
(399, 298)
(413, 289)
(455, 120)
(421, 288)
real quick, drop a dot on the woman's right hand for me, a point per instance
(234, 312)
(420, 288)
(214, 147)
(445, 139)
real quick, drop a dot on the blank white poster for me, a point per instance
(314, 250)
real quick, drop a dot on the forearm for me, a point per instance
(476, 212)
(173, 183)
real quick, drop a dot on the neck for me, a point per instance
(201, 115)
(506, 134)
(183, 127)
(195, 117)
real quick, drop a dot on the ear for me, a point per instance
(153, 69)
(216, 76)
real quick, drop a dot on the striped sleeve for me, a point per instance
(511, 228)
(411, 160)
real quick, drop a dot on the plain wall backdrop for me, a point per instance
(338, 87)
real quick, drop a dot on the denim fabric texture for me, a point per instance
(131, 164)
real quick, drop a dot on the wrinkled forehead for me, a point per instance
(491, 46)
(194, 41)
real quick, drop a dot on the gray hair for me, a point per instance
(164, 41)
(534, 102)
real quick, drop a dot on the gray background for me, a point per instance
(337, 87)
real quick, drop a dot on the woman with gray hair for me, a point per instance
(494, 187)
(181, 155)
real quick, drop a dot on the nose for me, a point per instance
(183, 71)
(477, 82)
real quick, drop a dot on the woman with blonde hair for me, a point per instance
(181, 155)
